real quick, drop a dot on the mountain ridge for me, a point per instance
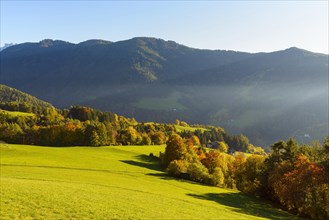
(157, 80)
(102, 41)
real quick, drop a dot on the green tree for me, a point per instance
(11, 133)
(199, 173)
(217, 177)
(177, 167)
(222, 146)
(252, 174)
(255, 150)
(94, 139)
(146, 140)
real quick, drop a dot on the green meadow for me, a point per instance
(111, 183)
(181, 128)
(16, 113)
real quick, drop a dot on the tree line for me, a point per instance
(294, 176)
(84, 126)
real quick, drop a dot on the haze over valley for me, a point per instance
(267, 96)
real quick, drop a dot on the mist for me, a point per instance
(265, 113)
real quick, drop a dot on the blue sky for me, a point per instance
(251, 26)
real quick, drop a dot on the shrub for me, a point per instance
(217, 178)
(199, 173)
(177, 167)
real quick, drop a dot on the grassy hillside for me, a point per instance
(16, 113)
(181, 128)
(111, 182)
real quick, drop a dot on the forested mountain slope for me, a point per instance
(13, 99)
(264, 95)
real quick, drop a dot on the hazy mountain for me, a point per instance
(286, 66)
(265, 95)
(138, 60)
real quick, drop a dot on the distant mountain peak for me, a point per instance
(296, 49)
(93, 42)
(50, 43)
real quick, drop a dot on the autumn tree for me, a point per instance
(302, 187)
(251, 174)
(211, 160)
(217, 164)
(194, 140)
(237, 170)
(158, 138)
(326, 152)
(175, 149)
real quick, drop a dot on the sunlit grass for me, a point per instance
(180, 128)
(16, 113)
(111, 182)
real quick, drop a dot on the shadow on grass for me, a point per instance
(163, 176)
(166, 176)
(153, 163)
(149, 159)
(245, 204)
(149, 162)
